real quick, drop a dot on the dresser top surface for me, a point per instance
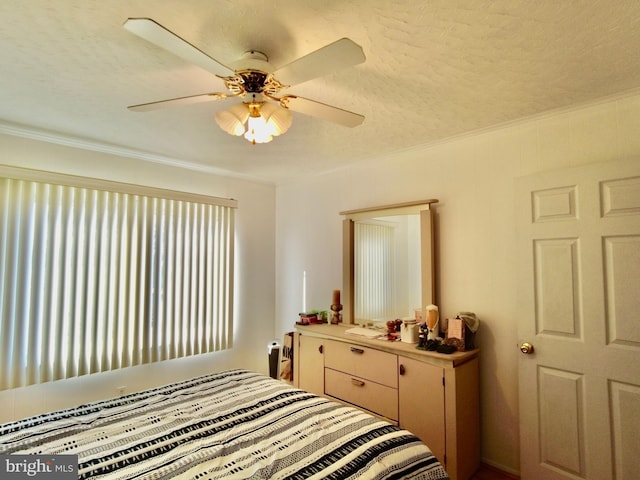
(338, 332)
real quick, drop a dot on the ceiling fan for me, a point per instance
(265, 111)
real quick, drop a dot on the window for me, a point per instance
(96, 276)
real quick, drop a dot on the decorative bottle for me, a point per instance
(433, 322)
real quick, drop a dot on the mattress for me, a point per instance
(232, 424)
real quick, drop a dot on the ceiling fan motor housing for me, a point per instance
(254, 80)
(253, 60)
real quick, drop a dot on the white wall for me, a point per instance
(255, 271)
(473, 177)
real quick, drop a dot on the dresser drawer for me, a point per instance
(364, 393)
(363, 362)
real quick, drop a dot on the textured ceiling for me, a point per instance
(434, 69)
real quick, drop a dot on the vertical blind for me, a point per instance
(374, 267)
(94, 280)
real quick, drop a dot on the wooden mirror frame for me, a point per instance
(427, 259)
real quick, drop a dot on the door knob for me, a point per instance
(526, 348)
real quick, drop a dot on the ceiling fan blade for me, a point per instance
(155, 33)
(205, 97)
(328, 59)
(322, 111)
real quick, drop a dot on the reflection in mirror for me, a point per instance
(388, 269)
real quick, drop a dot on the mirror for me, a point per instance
(388, 264)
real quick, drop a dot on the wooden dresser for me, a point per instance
(434, 396)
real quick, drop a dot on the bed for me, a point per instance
(232, 424)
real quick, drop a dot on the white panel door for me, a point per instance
(579, 306)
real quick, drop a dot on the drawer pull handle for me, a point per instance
(357, 350)
(402, 369)
(357, 383)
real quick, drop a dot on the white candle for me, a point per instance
(304, 291)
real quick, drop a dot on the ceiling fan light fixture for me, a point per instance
(258, 121)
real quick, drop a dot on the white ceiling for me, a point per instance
(434, 69)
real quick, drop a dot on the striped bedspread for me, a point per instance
(233, 424)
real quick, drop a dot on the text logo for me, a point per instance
(52, 467)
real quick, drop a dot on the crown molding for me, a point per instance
(528, 120)
(47, 136)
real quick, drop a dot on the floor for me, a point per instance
(489, 473)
